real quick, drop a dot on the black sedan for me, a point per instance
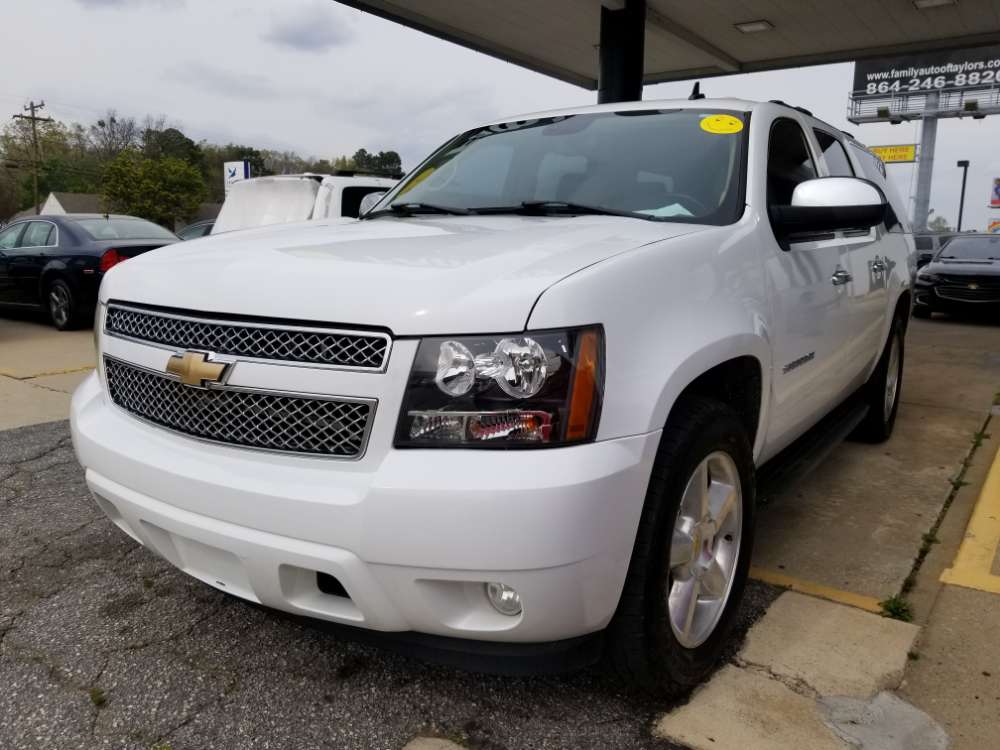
(963, 277)
(56, 263)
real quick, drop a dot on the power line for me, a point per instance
(34, 119)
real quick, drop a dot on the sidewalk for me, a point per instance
(39, 369)
(955, 672)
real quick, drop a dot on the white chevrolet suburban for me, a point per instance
(518, 408)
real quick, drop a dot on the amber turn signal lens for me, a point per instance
(585, 380)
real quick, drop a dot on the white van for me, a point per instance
(281, 199)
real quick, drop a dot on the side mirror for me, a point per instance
(369, 201)
(924, 259)
(829, 204)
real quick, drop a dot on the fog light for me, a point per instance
(504, 599)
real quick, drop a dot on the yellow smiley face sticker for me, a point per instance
(721, 124)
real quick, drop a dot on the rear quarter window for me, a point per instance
(873, 169)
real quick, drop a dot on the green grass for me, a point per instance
(897, 608)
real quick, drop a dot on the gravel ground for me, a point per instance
(103, 645)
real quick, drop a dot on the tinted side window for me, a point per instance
(8, 237)
(788, 162)
(36, 235)
(836, 157)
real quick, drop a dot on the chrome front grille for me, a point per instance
(242, 417)
(277, 342)
(967, 294)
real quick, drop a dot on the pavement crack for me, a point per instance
(795, 684)
(97, 684)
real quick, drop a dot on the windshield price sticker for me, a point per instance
(721, 124)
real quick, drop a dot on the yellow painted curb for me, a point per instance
(867, 603)
(974, 562)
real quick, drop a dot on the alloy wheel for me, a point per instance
(59, 304)
(705, 549)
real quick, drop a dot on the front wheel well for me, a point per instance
(48, 276)
(738, 384)
(903, 307)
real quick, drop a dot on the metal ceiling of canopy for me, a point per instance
(685, 39)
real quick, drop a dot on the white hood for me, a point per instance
(417, 276)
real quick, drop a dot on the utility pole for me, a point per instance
(925, 167)
(962, 164)
(36, 150)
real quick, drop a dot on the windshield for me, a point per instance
(674, 165)
(113, 228)
(972, 248)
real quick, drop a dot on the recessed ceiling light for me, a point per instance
(925, 4)
(754, 27)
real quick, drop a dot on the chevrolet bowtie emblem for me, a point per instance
(973, 286)
(195, 368)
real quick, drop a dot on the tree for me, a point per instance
(384, 162)
(9, 198)
(938, 224)
(113, 134)
(64, 166)
(173, 143)
(164, 190)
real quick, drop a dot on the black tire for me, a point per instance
(642, 646)
(922, 312)
(62, 305)
(881, 418)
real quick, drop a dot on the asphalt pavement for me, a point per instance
(104, 645)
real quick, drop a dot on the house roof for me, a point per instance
(79, 203)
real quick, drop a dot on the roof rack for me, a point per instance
(803, 110)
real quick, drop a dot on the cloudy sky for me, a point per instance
(321, 79)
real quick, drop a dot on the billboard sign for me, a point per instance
(995, 195)
(899, 154)
(914, 74)
(235, 171)
(994, 227)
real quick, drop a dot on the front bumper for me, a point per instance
(412, 536)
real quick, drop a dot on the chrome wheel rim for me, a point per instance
(704, 549)
(59, 304)
(891, 378)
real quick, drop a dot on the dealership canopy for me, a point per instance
(616, 45)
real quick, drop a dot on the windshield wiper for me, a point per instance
(411, 209)
(553, 208)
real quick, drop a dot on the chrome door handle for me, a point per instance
(840, 277)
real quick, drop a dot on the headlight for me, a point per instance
(541, 388)
(927, 276)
